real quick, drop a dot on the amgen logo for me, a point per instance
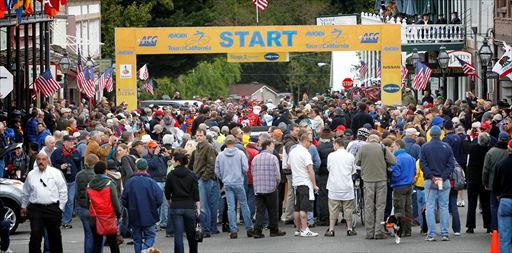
(391, 88)
(370, 38)
(271, 56)
(148, 41)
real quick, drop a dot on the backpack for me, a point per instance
(458, 178)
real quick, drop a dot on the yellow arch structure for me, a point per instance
(131, 42)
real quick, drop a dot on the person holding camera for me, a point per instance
(182, 194)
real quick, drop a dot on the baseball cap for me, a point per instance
(159, 113)
(503, 136)
(485, 125)
(435, 131)
(437, 121)
(448, 125)
(340, 128)
(152, 144)
(412, 131)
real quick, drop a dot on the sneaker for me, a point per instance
(233, 235)
(329, 233)
(308, 233)
(460, 203)
(430, 238)
(277, 233)
(250, 233)
(351, 232)
(445, 238)
(297, 232)
(470, 231)
(456, 233)
(67, 226)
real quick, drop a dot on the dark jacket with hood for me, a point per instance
(181, 188)
(142, 197)
(128, 165)
(476, 163)
(82, 179)
(324, 148)
(495, 155)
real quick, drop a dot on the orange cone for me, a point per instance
(495, 242)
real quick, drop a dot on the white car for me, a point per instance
(11, 192)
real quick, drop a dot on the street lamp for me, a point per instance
(443, 59)
(485, 55)
(64, 65)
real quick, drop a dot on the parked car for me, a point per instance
(11, 192)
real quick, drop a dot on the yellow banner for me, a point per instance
(258, 57)
(131, 42)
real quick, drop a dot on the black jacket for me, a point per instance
(359, 119)
(476, 163)
(181, 188)
(324, 149)
(339, 120)
(501, 185)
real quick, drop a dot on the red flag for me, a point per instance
(261, 4)
(3, 8)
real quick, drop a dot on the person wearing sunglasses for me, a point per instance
(45, 194)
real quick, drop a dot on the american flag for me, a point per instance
(106, 80)
(148, 86)
(46, 84)
(468, 68)
(144, 73)
(260, 4)
(404, 71)
(85, 78)
(363, 69)
(422, 77)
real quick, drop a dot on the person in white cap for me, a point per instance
(411, 147)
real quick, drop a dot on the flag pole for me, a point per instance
(257, 15)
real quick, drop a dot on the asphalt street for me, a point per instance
(478, 242)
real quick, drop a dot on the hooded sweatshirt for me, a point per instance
(99, 183)
(404, 171)
(231, 166)
(181, 188)
(492, 159)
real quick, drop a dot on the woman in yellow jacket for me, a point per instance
(419, 183)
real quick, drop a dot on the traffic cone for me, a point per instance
(495, 242)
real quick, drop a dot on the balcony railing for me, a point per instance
(420, 34)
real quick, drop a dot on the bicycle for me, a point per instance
(359, 198)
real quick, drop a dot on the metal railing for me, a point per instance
(420, 34)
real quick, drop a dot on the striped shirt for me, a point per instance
(265, 172)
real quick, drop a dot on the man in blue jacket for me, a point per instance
(402, 178)
(157, 169)
(437, 163)
(142, 197)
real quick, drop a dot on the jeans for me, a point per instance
(209, 194)
(290, 208)
(143, 237)
(163, 211)
(68, 209)
(233, 193)
(420, 200)
(414, 207)
(85, 217)
(505, 224)
(5, 226)
(436, 197)
(495, 203)
(454, 210)
(184, 220)
(2, 168)
(249, 191)
(169, 230)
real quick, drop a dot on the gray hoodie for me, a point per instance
(231, 166)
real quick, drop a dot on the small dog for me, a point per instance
(153, 250)
(394, 227)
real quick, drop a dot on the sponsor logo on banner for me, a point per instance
(391, 49)
(271, 56)
(125, 52)
(148, 41)
(391, 88)
(125, 70)
(370, 38)
(391, 67)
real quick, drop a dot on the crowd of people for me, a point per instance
(129, 173)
